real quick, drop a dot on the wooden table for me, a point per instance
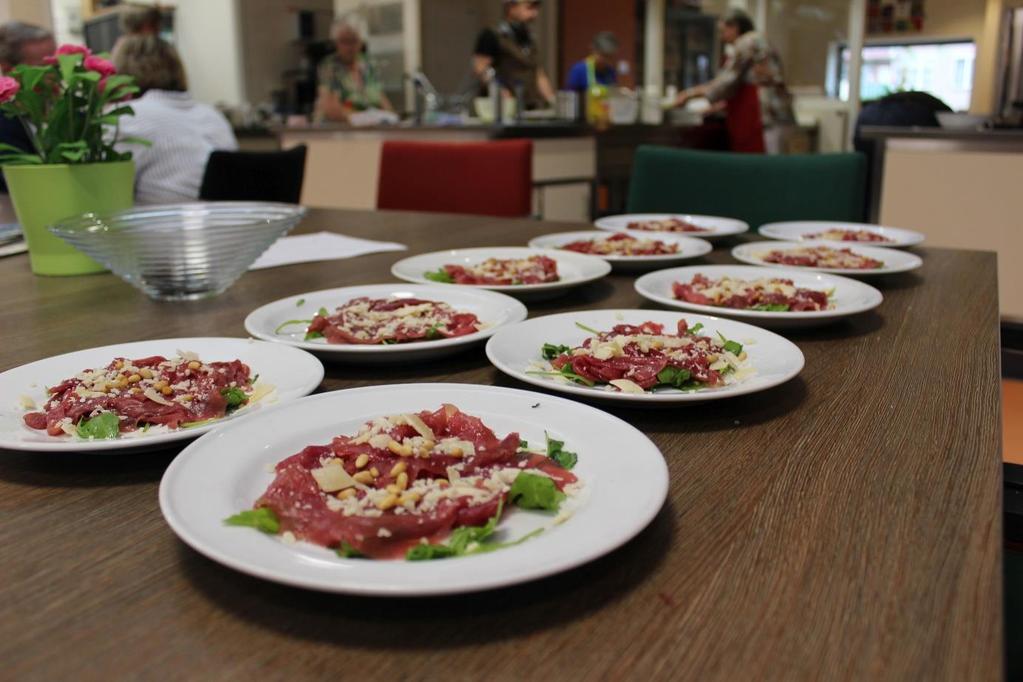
(845, 525)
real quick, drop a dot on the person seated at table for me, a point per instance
(348, 82)
(182, 131)
(599, 68)
(21, 43)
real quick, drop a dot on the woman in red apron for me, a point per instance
(749, 85)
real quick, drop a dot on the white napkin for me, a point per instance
(308, 248)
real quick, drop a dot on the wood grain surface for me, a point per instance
(843, 526)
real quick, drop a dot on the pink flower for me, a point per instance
(68, 49)
(9, 87)
(100, 66)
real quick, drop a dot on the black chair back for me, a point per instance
(254, 176)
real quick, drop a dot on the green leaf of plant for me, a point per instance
(591, 330)
(262, 519)
(696, 328)
(533, 491)
(67, 64)
(772, 307)
(310, 336)
(103, 426)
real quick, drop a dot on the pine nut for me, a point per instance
(363, 477)
(398, 468)
(194, 365)
(388, 502)
(392, 488)
(146, 373)
(346, 493)
(399, 449)
(134, 379)
(361, 461)
(402, 481)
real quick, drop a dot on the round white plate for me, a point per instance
(515, 350)
(493, 309)
(292, 372)
(893, 259)
(226, 471)
(719, 227)
(800, 230)
(688, 248)
(850, 297)
(575, 269)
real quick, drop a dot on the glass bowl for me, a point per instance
(181, 251)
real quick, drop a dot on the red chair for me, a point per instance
(480, 178)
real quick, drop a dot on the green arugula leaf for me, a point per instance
(289, 323)
(675, 376)
(429, 552)
(346, 551)
(300, 303)
(262, 519)
(532, 491)
(556, 451)
(696, 328)
(587, 329)
(193, 425)
(523, 446)
(322, 312)
(433, 332)
(103, 426)
(550, 351)
(733, 347)
(309, 336)
(236, 397)
(460, 541)
(566, 370)
(772, 307)
(440, 275)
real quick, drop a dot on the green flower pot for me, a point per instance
(44, 195)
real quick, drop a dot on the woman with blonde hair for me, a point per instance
(182, 131)
(348, 82)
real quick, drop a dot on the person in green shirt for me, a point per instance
(347, 80)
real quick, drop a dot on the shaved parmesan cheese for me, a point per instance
(332, 477)
(155, 396)
(420, 426)
(627, 386)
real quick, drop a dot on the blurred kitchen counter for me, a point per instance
(578, 171)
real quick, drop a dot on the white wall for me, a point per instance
(209, 40)
(29, 11)
(208, 37)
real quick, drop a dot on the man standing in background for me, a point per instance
(600, 68)
(511, 51)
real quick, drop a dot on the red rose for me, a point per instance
(67, 49)
(100, 66)
(9, 87)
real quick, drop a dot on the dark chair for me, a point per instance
(254, 176)
(479, 178)
(755, 188)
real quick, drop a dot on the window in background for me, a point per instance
(943, 69)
